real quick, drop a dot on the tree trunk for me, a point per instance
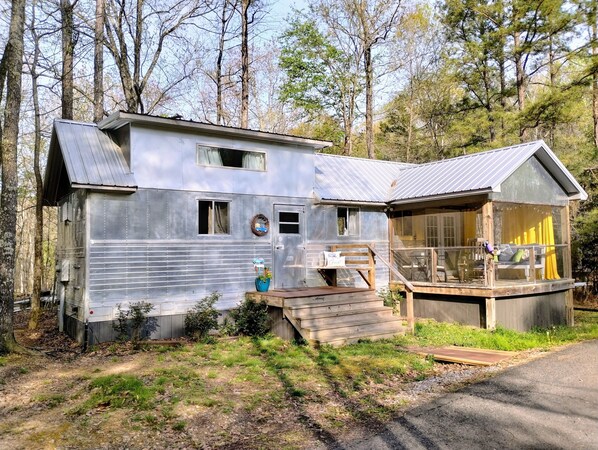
(593, 16)
(369, 102)
(223, 25)
(245, 63)
(68, 46)
(520, 83)
(98, 63)
(8, 195)
(39, 211)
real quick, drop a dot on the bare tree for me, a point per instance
(147, 26)
(98, 63)
(11, 65)
(68, 50)
(39, 212)
(363, 25)
(225, 18)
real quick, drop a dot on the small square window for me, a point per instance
(288, 222)
(213, 217)
(347, 220)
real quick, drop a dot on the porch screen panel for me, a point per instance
(527, 225)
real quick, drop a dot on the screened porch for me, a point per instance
(490, 245)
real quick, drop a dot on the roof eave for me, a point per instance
(447, 196)
(329, 201)
(120, 118)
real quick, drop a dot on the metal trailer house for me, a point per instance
(164, 211)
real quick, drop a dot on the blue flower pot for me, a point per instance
(262, 286)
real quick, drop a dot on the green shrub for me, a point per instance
(134, 324)
(202, 318)
(251, 318)
(392, 299)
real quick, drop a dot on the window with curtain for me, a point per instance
(527, 225)
(213, 217)
(228, 157)
(347, 220)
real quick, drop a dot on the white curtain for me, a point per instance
(208, 156)
(254, 160)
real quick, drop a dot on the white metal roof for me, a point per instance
(477, 173)
(342, 178)
(90, 157)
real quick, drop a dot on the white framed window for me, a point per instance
(213, 217)
(289, 222)
(347, 220)
(228, 157)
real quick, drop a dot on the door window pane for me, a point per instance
(288, 222)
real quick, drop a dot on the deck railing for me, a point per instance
(474, 266)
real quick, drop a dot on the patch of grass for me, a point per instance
(119, 391)
(431, 333)
(50, 400)
(23, 370)
(179, 426)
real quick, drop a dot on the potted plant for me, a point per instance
(262, 281)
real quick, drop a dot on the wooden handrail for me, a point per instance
(408, 290)
(395, 272)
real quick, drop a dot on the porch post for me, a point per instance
(410, 311)
(391, 255)
(569, 310)
(491, 313)
(488, 234)
(566, 231)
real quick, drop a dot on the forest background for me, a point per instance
(410, 81)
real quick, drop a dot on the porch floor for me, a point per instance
(502, 288)
(309, 291)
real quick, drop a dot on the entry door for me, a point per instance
(289, 246)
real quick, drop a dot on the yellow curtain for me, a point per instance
(526, 225)
(469, 225)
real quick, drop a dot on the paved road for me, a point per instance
(549, 403)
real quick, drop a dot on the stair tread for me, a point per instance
(349, 312)
(336, 302)
(368, 321)
(352, 339)
(356, 336)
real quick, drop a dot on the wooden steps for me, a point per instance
(335, 317)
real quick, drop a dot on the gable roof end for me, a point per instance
(478, 173)
(88, 157)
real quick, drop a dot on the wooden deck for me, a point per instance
(330, 315)
(502, 288)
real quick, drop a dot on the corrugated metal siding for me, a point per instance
(354, 179)
(470, 173)
(90, 156)
(172, 275)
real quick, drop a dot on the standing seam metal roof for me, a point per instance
(91, 157)
(343, 178)
(477, 172)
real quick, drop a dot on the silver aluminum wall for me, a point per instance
(145, 246)
(71, 261)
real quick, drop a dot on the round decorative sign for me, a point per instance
(260, 225)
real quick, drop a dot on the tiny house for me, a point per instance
(165, 211)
